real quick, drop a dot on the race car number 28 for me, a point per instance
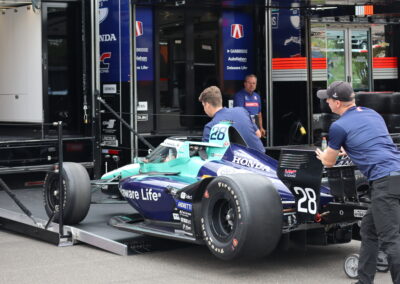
(218, 133)
(307, 200)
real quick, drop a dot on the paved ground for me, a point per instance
(25, 260)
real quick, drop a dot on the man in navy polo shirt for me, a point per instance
(251, 101)
(211, 99)
(363, 134)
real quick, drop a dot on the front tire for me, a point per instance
(77, 193)
(241, 216)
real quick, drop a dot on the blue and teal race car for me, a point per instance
(237, 201)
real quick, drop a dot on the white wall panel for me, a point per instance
(21, 97)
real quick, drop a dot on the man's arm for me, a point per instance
(260, 123)
(327, 157)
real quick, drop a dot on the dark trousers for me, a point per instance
(382, 222)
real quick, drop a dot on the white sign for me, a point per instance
(109, 89)
(142, 106)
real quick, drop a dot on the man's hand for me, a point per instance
(263, 132)
(327, 157)
(258, 133)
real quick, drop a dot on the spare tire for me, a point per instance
(324, 106)
(393, 123)
(395, 103)
(378, 101)
(323, 121)
(77, 193)
(241, 216)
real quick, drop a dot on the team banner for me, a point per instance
(144, 44)
(114, 40)
(238, 47)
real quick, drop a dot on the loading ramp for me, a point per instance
(93, 230)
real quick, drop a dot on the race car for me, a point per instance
(237, 201)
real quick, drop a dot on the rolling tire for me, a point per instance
(77, 193)
(350, 266)
(241, 216)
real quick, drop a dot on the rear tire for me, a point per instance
(77, 193)
(241, 216)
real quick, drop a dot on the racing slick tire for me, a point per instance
(241, 216)
(395, 103)
(77, 193)
(380, 102)
(350, 265)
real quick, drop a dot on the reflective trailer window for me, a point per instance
(336, 55)
(359, 59)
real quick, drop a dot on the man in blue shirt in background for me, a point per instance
(251, 101)
(363, 134)
(211, 99)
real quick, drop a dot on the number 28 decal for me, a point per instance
(307, 200)
(218, 133)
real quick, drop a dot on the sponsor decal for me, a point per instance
(359, 213)
(143, 117)
(176, 216)
(109, 140)
(172, 143)
(105, 65)
(186, 227)
(248, 104)
(290, 173)
(145, 194)
(186, 221)
(107, 37)
(139, 28)
(103, 13)
(142, 106)
(237, 31)
(184, 205)
(235, 242)
(109, 89)
(226, 170)
(185, 214)
(109, 123)
(248, 162)
(184, 196)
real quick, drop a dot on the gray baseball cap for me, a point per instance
(338, 90)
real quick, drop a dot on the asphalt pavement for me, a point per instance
(26, 260)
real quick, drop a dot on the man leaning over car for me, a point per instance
(363, 134)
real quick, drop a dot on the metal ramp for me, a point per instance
(93, 230)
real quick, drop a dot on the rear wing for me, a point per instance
(301, 171)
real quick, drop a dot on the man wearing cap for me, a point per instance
(211, 99)
(363, 134)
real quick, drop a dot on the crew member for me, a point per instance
(363, 134)
(250, 100)
(211, 99)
